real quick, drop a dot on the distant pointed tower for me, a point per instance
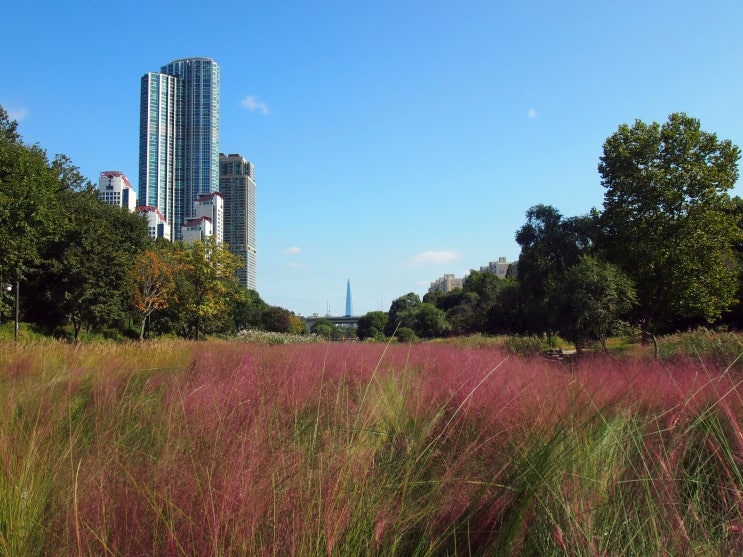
(348, 298)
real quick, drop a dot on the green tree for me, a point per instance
(735, 315)
(89, 263)
(459, 307)
(427, 321)
(668, 220)
(326, 329)
(247, 309)
(206, 273)
(596, 296)
(398, 306)
(444, 300)
(550, 245)
(462, 316)
(277, 319)
(505, 315)
(372, 325)
(486, 288)
(405, 335)
(28, 202)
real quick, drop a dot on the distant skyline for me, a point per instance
(393, 142)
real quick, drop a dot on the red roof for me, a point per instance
(208, 196)
(116, 174)
(196, 222)
(150, 209)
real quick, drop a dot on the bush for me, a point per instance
(269, 337)
(718, 347)
(524, 345)
(405, 334)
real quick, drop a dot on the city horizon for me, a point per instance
(392, 143)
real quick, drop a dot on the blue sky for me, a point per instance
(393, 141)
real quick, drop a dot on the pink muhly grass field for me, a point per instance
(224, 448)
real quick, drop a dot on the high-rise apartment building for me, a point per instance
(179, 137)
(211, 205)
(237, 186)
(157, 226)
(445, 284)
(114, 189)
(198, 229)
(501, 268)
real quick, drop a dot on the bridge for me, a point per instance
(344, 322)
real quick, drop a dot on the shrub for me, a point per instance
(405, 334)
(524, 345)
(270, 337)
(719, 347)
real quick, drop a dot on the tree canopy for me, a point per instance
(665, 253)
(668, 220)
(372, 325)
(398, 308)
(84, 263)
(596, 296)
(550, 245)
(205, 269)
(28, 199)
(151, 281)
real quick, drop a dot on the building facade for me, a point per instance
(197, 229)
(211, 205)
(445, 284)
(157, 225)
(160, 161)
(502, 269)
(237, 186)
(114, 189)
(179, 137)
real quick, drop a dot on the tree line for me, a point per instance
(663, 255)
(81, 264)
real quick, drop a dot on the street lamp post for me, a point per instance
(17, 288)
(9, 287)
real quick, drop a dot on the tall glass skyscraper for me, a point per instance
(179, 137)
(237, 186)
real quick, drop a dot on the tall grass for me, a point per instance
(719, 347)
(217, 448)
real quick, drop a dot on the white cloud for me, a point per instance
(17, 114)
(254, 104)
(431, 257)
(292, 250)
(532, 113)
